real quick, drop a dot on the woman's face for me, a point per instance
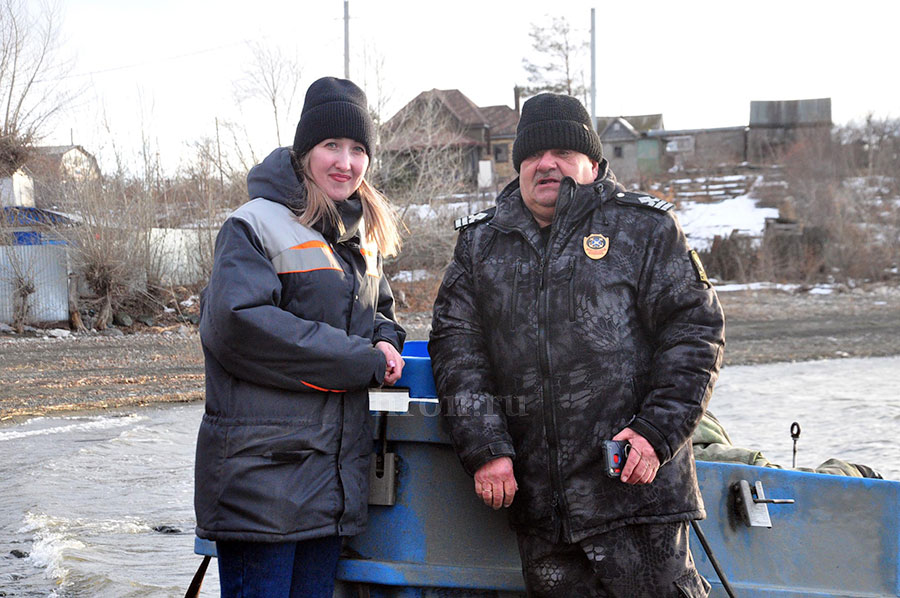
(338, 166)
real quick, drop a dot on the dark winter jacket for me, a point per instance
(542, 355)
(288, 326)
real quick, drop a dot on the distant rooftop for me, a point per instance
(640, 123)
(502, 119)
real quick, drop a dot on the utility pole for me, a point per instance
(346, 39)
(593, 72)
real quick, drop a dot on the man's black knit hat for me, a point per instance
(554, 121)
(334, 108)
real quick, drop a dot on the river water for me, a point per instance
(100, 505)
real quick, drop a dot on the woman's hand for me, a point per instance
(394, 368)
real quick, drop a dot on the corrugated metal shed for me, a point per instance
(47, 267)
(790, 113)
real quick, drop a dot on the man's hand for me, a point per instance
(642, 463)
(495, 483)
(394, 368)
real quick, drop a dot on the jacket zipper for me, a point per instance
(558, 500)
(339, 470)
(354, 293)
(515, 296)
(572, 292)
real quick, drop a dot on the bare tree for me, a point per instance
(422, 153)
(873, 147)
(421, 163)
(558, 51)
(273, 77)
(375, 83)
(31, 76)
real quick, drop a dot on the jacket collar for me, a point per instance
(573, 203)
(350, 212)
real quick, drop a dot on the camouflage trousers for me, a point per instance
(635, 561)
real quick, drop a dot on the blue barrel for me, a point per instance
(438, 536)
(417, 375)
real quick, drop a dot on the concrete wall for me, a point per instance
(180, 254)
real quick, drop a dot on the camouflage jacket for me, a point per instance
(542, 354)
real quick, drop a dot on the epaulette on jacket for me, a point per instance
(626, 198)
(483, 216)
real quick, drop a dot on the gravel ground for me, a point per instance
(40, 375)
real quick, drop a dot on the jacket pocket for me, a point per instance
(692, 585)
(454, 271)
(281, 442)
(288, 456)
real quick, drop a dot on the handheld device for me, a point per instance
(615, 452)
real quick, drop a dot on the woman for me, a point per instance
(297, 322)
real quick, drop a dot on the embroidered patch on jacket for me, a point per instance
(596, 246)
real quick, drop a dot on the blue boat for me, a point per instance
(770, 533)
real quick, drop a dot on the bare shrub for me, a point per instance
(731, 258)
(109, 245)
(428, 245)
(850, 227)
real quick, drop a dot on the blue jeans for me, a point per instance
(278, 570)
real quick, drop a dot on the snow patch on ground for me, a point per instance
(703, 221)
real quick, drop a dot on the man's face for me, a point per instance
(541, 173)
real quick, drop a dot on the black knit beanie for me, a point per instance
(334, 108)
(554, 121)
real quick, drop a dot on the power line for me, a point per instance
(155, 61)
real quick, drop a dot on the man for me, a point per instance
(573, 313)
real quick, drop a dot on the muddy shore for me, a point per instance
(40, 375)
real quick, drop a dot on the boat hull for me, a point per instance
(839, 538)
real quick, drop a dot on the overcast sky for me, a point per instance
(168, 67)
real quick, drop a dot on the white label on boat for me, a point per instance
(395, 401)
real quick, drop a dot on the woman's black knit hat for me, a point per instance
(554, 121)
(334, 108)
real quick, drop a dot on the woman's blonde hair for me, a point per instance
(381, 223)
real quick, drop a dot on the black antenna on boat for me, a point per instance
(712, 559)
(795, 435)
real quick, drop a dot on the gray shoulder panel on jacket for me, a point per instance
(641, 200)
(275, 225)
